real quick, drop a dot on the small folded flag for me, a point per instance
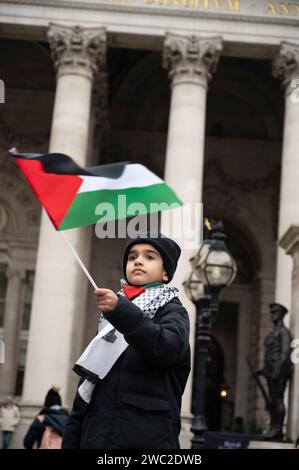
(70, 194)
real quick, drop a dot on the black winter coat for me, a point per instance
(137, 405)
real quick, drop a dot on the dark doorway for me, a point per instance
(214, 382)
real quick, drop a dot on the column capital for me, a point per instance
(12, 272)
(77, 50)
(191, 58)
(286, 65)
(100, 99)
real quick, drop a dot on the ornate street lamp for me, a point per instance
(213, 268)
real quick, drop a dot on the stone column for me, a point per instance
(8, 370)
(264, 294)
(191, 62)
(286, 68)
(59, 296)
(290, 243)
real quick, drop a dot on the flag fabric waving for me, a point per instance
(70, 194)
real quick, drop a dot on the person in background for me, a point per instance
(135, 375)
(47, 428)
(9, 419)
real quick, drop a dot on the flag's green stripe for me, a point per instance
(82, 210)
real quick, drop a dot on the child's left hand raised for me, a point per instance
(106, 300)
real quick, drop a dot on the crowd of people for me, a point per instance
(46, 430)
(131, 399)
(9, 419)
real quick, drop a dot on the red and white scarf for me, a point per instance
(104, 350)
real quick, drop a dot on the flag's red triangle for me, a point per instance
(55, 192)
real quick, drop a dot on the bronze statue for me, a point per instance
(277, 370)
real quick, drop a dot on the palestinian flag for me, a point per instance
(70, 194)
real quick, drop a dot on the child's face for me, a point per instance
(145, 265)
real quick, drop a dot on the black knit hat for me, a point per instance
(57, 421)
(52, 397)
(168, 249)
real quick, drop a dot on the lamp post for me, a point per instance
(213, 268)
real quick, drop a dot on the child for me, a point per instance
(133, 401)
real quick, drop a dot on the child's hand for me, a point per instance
(106, 300)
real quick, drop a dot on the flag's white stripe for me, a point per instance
(134, 175)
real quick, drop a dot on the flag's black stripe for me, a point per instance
(86, 374)
(61, 164)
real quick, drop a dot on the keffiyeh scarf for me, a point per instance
(104, 350)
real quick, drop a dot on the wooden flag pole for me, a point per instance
(79, 260)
